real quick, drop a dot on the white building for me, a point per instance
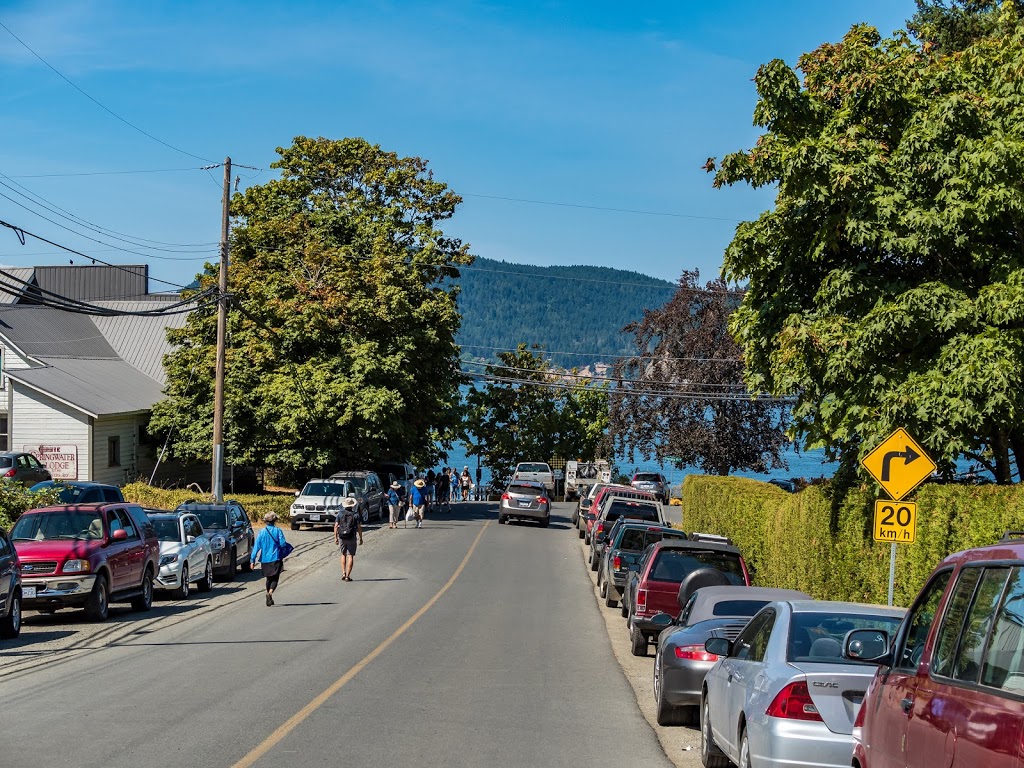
(77, 390)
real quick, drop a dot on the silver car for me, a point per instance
(782, 693)
(525, 500)
(186, 555)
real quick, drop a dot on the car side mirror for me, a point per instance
(190, 539)
(719, 646)
(119, 535)
(662, 620)
(298, 493)
(868, 645)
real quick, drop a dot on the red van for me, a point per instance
(949, 690)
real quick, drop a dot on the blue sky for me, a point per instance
(611, 105)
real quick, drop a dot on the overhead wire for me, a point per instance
(596, 378)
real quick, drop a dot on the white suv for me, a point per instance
(319, 502)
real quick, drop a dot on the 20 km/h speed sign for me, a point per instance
(895, 522)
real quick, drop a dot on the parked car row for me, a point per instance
(88, 555)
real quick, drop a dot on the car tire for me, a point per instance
(594, 562)
(365, 515)
(294, 526)
(580, 532)
(10, 625)
(624, 610)
(230, 575)
(710, 755)
(181, 593)
(744, 751)
(247, 561)
(545, 522)
(205, 584)
(638, 643)
(97, 605)
(502, 519)
(144, 601)
(668, 714)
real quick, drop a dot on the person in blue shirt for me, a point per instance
(395, 494)
(418, 500)
(269, 548)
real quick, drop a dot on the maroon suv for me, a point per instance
(86, 555)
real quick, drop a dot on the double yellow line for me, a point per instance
(295, 720)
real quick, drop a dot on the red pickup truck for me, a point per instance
(654, 587)
(86, 555)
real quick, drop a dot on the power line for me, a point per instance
(100, 173)
(97, 103)
(602, 208)
(615, 357)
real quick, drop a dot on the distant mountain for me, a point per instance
(577, 312)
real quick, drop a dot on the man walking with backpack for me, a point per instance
(346, 527)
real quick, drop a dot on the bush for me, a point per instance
(822, 545)
(16, 498)
(256, 505)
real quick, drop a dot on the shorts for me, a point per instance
(348, 545)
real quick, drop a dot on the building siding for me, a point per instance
(125, 428)
(36, 418)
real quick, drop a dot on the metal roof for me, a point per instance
(18, 273)
(96, 387)
(44, 332)
(90, 283)
(140, 341)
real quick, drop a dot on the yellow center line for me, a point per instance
(295, 720)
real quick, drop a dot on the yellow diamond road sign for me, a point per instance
(899, 464)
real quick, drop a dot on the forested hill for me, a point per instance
(576, 309)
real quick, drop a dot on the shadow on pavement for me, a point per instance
(29, 637)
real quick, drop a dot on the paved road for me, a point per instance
(508, 663)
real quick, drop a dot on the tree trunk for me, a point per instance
(1001, 454)
(1017, 442)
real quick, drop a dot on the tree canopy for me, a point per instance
(886, 287)
(682, 393)
(952, 25)
(535, 414)
(342, 340)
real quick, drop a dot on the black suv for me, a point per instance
(10, 588)
(370, 492)
(230, 532)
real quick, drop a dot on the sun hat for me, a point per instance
(420, 483)
(396, 485)
(270, 517)
(348, 502)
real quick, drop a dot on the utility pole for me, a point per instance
(222, 332)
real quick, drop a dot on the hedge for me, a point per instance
(256, 505)
(799, 541)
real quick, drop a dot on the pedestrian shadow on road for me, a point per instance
(396, 578)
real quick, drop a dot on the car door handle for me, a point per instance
(906, 704)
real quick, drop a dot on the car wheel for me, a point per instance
(637, 642)
(230, 575)
(545, 522)
(365, 515)
(294, 526)
(182, 592)
(96, 606)
(609, 596)
(744, 750)
(10, 625)
(624, 609)
(602, 586)
(144, 601)
(502, 519)
(667, 714)
(247, 560)
(710, 755)
(205, 584)
(594, 562)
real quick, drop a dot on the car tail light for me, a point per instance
(600, 528)
(859, 722)
(542, 500)
(617, 563)
(794, 703)
(11, 472)
(505, 497)
(641, 600)
(694, 653)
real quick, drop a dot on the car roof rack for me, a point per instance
(696, 536)
(1011, 535)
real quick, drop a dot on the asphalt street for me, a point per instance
(464, 643)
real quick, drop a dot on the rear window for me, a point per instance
(819, 636)
(675, 565)
(619, 509)
(738, 607)
(632, 538)
(533, 468)
(6, 461)
(525, 490)
(646, 477)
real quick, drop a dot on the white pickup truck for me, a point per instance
(537, 471)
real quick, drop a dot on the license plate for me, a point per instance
(524, 503)
(314, 517)
(28, 591)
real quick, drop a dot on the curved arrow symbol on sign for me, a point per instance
(907, 455)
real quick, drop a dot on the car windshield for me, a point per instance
(646, 477)
(213, 518)
(359, 483)
(533, 468)
(820, 636)
(324, 489)
(42, 526)
(675, 565)
(738, 607)
(525, 490)
(166, 528)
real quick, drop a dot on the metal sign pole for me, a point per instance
(892, 569)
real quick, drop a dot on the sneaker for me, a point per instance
(270, 600)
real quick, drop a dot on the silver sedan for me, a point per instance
(185, 553)
(783, 694)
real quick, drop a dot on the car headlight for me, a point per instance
(168, 559)
(218, 543)
(296, 507)
(76, 566)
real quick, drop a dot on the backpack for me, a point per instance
(347, 524)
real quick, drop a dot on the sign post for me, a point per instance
(899, 465)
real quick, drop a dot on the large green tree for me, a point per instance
(952, 25)
(524, 410)
(342, 339)
(886, 287)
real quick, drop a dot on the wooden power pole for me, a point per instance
(222, 332)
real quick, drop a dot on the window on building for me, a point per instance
(114, 451)
(4, 433)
